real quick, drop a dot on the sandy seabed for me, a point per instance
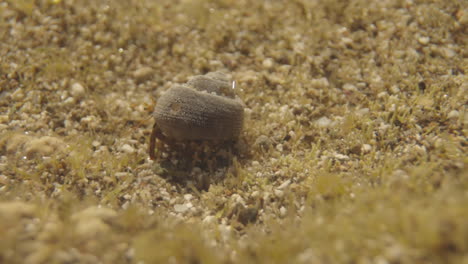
(354, 147)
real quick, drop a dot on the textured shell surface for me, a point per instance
(213, 82)
(200, 110)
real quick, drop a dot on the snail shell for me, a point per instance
(206, 108)
(213, 82)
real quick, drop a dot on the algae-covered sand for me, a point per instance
(354, 148)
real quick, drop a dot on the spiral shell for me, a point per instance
(206, 108)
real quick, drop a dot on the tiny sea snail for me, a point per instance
(205, 108)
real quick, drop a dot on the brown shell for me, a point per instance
(185, 113)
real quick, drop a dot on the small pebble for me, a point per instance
(323, 122)
(341, 157)
(320, 83)
(453, 114)
(69, 101)
(77, 90)
(188, 197)
(180, 208)
(349, 87)
(448, 53)
(279, 147)
(279, 193)
(268, 63)
(366, 148)
(284, 184)
(382, 94)
(423, 40)
(127, 148)
(142, 74)
(283, 211)
(362, 111)
(121, 174)
(394, 89)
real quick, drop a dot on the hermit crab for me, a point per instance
(206, 108)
